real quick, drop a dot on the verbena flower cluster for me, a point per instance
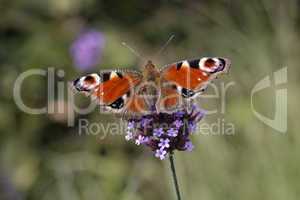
(165, 132)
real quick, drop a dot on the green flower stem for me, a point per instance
(171, 158)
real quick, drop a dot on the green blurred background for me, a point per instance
(41, 157)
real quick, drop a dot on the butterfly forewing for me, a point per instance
(113, 89)
(189, 78)
(192, 75)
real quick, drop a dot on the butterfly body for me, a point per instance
(153, 89)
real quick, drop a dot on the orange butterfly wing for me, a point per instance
(185, 76)
(189, 78)
(112, 89)
(194, 74)
(169, 99)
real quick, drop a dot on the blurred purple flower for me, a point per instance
(165, 132)
(86, 50)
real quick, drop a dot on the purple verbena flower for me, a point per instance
(192, 127)
(189, 146)
(141, 140)
(158, 132)
(165, 132)
(130, 125)
(178, 123)
(145, 122)
(179, 114)
(164, 143)
(129, 133)
(197, 114)
(161, 154)
(172, 132)
(129, 136)
(86, 50)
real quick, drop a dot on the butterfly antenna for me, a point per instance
(165, 45)
(132, 50)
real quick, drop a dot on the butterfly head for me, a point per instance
(150, 66)
(87, 83)
(151, 73)
(213, 65)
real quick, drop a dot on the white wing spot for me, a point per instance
(185, 64)
(113, 74)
